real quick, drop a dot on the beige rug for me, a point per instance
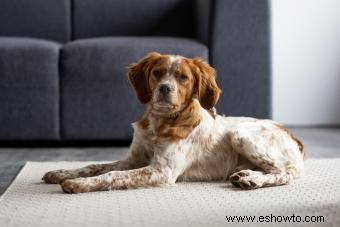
(29, 202)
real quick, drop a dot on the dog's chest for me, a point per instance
(205, 154)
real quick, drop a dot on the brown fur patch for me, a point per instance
(300, 144)
(144, 122)
(181, 126)
(138, 74)
(206, 87)
(175, 127)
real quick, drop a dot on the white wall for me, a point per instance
(306, 61)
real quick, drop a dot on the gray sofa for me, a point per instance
(63, 62)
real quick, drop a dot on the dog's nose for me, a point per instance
(164, 89)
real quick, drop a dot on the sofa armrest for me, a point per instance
(239, 45)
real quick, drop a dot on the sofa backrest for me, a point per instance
(93, 18)
(64, 20)
(45, 19)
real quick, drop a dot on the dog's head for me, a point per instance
(170, 82)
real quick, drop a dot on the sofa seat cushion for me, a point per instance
(29, 89)
(97, 101)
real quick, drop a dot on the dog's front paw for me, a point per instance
(247, 179)
(78, 185)
(56, 176)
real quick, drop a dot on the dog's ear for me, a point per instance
(206, 88)
(138, 74)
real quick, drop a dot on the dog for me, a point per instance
(181, 137)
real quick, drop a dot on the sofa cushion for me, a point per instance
(97, 101)
(133, 18)
(36, 18)
(28, 89)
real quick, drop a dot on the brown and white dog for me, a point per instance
(181, 138)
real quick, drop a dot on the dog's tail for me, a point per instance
(299, 143)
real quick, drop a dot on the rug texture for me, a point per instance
(316, 197)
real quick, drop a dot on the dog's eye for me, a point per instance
(157, 73)
(183, 77)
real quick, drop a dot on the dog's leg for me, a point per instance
(152, 175)
(57, 176)
(275, 157)
(136, 158)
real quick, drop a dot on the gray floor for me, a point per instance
(319, 143)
